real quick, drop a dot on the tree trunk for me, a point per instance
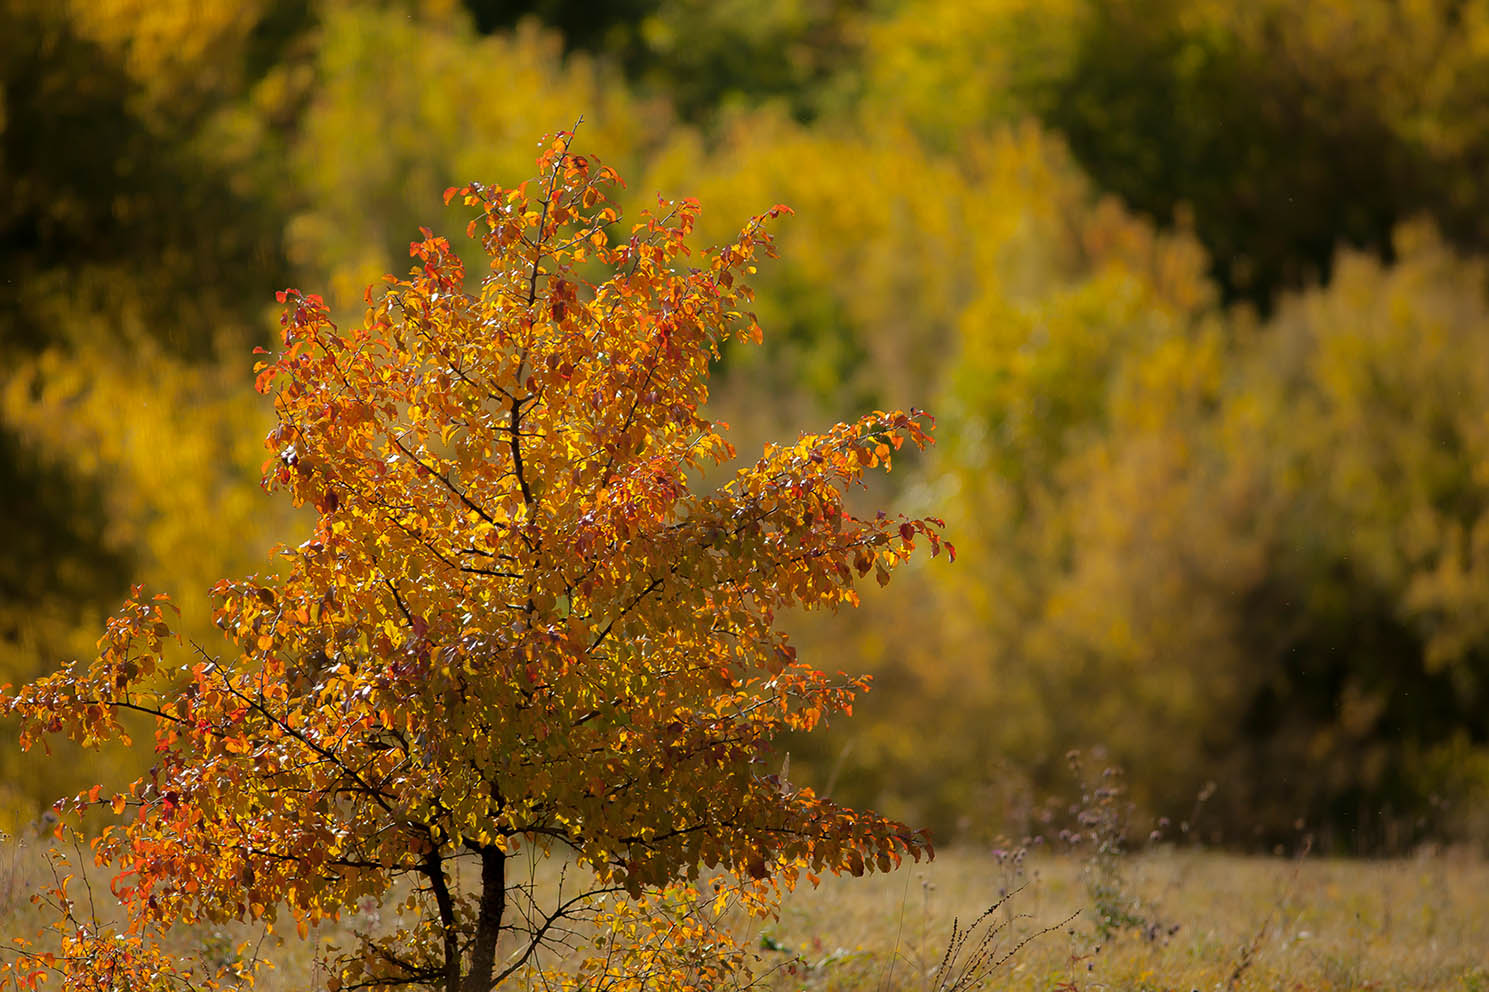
(488, 922)
(434, 870)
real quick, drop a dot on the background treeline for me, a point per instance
(1192, 287)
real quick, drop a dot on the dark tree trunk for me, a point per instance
(434, 870)
(488, 922)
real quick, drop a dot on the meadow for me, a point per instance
(1215, 921)
(1205, 921)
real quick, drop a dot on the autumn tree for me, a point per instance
(523, 623)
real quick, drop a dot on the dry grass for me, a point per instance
(1310, 925)
(1242, 923)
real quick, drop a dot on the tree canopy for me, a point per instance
(521, 621)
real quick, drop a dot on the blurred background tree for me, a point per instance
(1244, 554)
(1192, 286)
(1281, 129)
(136, 245)
(705, 56)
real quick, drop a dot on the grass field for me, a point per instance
(1212, 921)
(1215, 922)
